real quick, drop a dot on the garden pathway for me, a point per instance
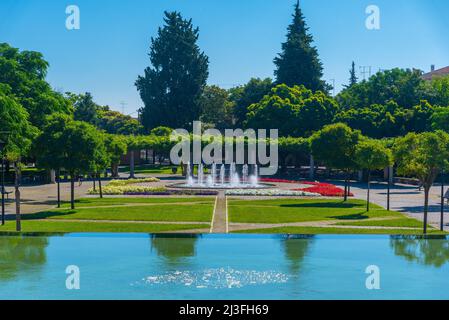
(220, 217)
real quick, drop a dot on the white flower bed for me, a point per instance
(130, 190)
(270, 192)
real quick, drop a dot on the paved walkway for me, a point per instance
(43, 197)
(406, 199)
(220, 218)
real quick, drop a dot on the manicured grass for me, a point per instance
(401, 223)
(303, 210)
(330, 230)
(97, 202)
(179, 213)
(56, 226)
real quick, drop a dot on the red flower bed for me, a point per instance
(326, 190)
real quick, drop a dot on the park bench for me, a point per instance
(7, 193)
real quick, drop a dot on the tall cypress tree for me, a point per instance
(353, 77)
(299, 63)
(170, 88)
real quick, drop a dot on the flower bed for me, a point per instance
(326, 190)
(149, 191)
(128, 190)
(271, 192)
(118, 183)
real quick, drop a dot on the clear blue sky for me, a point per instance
(241, 38)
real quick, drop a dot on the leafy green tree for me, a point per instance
(162, 131)
(405, 87)
(438, 91)
(17, 133)
(100, 161)
(294, 111)
(378, 121)
(335, 145)
(48, 147)
(116, 147)
(83, 148)
(86, 109)
(440, 119)
(170, 88)
(24, 72)
(372, 155)
(299, 63)
(216, 109)
(244, 96)
(114, 122)
(423, 156)
(353, 76)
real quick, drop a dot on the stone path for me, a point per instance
(406, 199)
(220, 217)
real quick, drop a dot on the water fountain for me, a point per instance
(222, 174)
(245, 173)
(201, 174)
(232, 180)
(189, 175)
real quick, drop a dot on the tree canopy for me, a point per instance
(295, 111)
(24, 73)
(299, 63)
(171, 86)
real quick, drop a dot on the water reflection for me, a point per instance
(174, 248)
(21, 254)
(295, 249)
(433, 251)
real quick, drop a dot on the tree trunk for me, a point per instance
(388, 188)
(131, 165)
(100, 187)
(17, 197)
(58, 181)
(52, 176)
(368, 191)
(114, 170)
(72, 191)
(346, 190)
(311, 168)
(426, 206)
(93, 181)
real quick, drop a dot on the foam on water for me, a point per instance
(217, 278)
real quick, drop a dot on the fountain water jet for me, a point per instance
(227, 180)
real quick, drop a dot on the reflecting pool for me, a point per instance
(140, 266)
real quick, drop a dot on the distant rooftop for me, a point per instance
(436, 73)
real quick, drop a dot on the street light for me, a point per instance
(2, 147)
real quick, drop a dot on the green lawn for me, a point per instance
(97, 202)
(56, 226)
(304, 210)
(401, 222)
(149, 169)
(330, 230)
(166, 213)
(124, 215)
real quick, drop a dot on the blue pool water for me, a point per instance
(223, 267)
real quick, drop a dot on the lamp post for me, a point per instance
(442, 202)
(2, 146)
